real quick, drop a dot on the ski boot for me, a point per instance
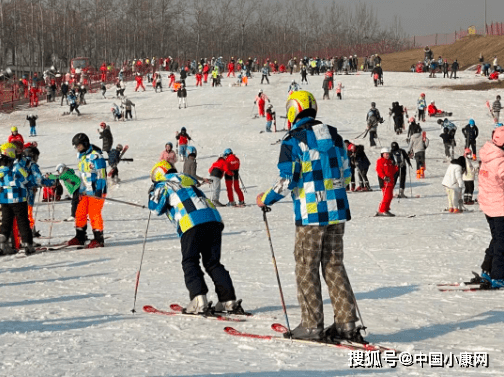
(230, 307)
(5, 248)
(305, 333)
(231, 204)
(79, 239)
(198, 305)
(346, 331)
(401, 194)
(98, 240)
(28, 249)
(216, 203)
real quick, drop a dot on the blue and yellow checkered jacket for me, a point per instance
(314, 168)
(13, 180)
(93, 173)
(184, 204)
(36, 179)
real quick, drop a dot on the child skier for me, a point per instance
(386, 170)
(373, 118)
(182, 96)
(270, 118)
(116, 113)
(421, 105)
(127, 104)
(32, 119)
(362, 164)
(217, 171)
(190, 165)
(182, 139)
(397, 111)
(260, 100)
(103, 89)
(72, 99)
(435, 112)
(325, 86)
(82, 93)
(159, 84)
(496, 108)
(338, 89)
(469, 176)
(72, 183)
(114, 158)
(169, 154)
(233, 180)
(471, 133)
(199, 227)
(400, 158)
(454, 184)
(418, 144)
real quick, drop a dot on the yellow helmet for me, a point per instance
(300, 102)
(9, 150)
(159, 170)
(14, 129)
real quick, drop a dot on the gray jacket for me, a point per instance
(417, 144)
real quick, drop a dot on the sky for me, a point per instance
(423, 17)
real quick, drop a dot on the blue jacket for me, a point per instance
(93, 173)
(185, 205)
(36, 179)
(314, 168)
(13, 181)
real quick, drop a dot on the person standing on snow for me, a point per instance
(233, 181)
(454, 69)
(421, 105)
(471, 132)
(468, 177)
(191, 166)
(64, 92)
(400, 158)
(260, 100)
(199, 226)
(491, 202)
(169, 154)
(32, 119)
(182, 140)
(264, 74)
(93, 173)
(270, 118)
(217, 171)
(139, 81)
(496, 108)
(321, 211)
(397, 111)
(106, 136)
(182, 96)
(454, 184)
(127, 104)
(72, 183)
(373, 119)
(386, 170)
(417, 147)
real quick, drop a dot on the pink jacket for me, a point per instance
(491, 180)
(170, 157)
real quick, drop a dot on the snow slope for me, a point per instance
(69, 313)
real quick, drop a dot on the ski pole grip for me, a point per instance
(266, 209)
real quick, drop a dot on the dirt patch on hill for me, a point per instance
(481, 86)
(466, 51)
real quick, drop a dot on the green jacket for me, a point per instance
(71, 181)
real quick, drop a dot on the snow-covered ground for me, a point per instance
(69, 313)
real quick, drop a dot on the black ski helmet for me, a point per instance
(373, 104)
(81, 138)
(32, 152)
(394, 146)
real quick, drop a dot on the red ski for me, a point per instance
(178, 311)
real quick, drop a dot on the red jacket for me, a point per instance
(386, 168)
(138, 79)
(432, 109)
(233, 162)
(219, 167)
(17, 137)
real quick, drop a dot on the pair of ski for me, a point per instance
(44, 248)
(477, 283)
(177, 310)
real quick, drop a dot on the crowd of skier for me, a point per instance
(317, 167)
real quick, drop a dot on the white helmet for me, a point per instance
(260, 90)
(385, 150)
(61, 168)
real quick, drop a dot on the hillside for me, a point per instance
(466, 50)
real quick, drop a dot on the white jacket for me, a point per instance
(471, 170)
(453, 177)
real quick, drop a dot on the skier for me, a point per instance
(106, 136)
(182, 140)
(72, 99)
(270, 118)
(199, 78)
(172, 80)
(435, 112)
(114, 158)
(265, 73)
(64, 92)
(496, 108)
(139, 81)
(398, 112)
(199, 226)
(412, 128)
(454, 69)
(362, 164)
(373, 118)
(386, 170)
(72, 183)
(231, 68)
(183, 75)
(445, 66)
(182, 96)
(233, 180)
(449, 143)
(400, 158)
(471, 132)
(421, 105)
(116, 113)
(159, 84)
(15, 136)
(320, 216)
(261, 99)
(325, 86)
(293, 87)
(417, 145)
(454, 184)
(126, 104)
(82, 93)
(217, 171)
(103, 89)
(469, 176)
(93, 189)
(377, 74)
(13, 200)
(304, 74)
(190, 165)
(169, 154)
(338, 90)
(350, 148)
(490, 200)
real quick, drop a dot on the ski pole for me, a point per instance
(52, 216)
(135, 112)
(268, 209)
(36, 211)
(411, 187)
(124, 202)
(243, 185)
(141, 261)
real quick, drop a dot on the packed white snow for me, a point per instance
(68, 313)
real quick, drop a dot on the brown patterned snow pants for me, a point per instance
(315, 247)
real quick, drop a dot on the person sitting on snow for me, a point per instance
(433, 111)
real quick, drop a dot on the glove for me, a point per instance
(254, 102)
(259, 200)
(386, 179)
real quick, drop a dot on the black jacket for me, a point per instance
(470, 133)
(108, 140)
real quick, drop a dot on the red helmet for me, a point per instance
(351, 147)
(422, 94)
(103, 124)
(411, 120)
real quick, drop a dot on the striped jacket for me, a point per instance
(93, 173)
(13, 181)
(315, 169)
(184, 204)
